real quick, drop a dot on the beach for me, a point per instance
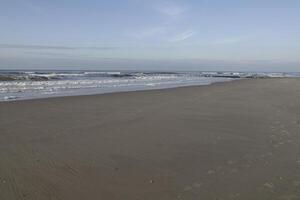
(233, 140)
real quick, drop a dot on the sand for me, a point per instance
(236, 140)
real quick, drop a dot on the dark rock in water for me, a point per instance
(6, 78)
(222, 76)
(227, 76)
(25, 78)
(256, 76)
(39, 78)
(121, 75)
(10, 98)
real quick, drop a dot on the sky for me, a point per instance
(230, 35)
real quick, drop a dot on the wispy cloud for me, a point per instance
(164, 30)
(171, 9)
(46, 47)
(182, 36)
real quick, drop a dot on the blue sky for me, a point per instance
(158, 34)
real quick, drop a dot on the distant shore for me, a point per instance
(232, 140)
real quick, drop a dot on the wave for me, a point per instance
(71, 75)
(30, 77)
(47, 76)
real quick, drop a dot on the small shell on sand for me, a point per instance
(269, 186)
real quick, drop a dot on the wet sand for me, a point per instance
(236, 140)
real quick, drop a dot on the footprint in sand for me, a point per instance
(282, 126)
(269, 154)
(230, 162)
(234, 196)
(281, 143)
(187, 188)
(295, 122)
(234, 170)
(289, 197)
(273, 128)
(285, 133)
(197, 185)
(296, 183)
(2, 181)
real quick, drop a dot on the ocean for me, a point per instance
(20, 85)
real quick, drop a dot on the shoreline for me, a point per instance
(113, 92)
(142, 90)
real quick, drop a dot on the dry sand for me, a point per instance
(236, 140)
